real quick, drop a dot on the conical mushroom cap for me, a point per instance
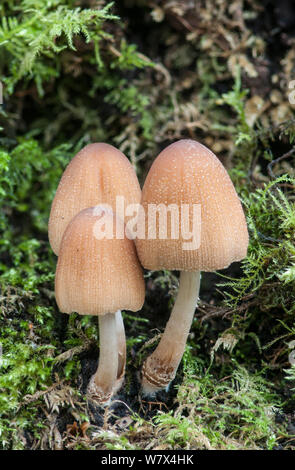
(186, 172)
(95, 276)
(96, 175)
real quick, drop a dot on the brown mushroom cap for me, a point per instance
(97, 276)
(96, 175)
(186, 172)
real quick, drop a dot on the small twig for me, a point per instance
(277, 160)
(30, 398)
(150, 404)
(150, 342)
(123, 403)
(270, 239)
(223, 312)
(73, 351)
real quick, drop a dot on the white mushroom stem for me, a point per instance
(101, 385)
(160, 368)
(121, 339)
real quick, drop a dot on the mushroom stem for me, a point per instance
(121, 339)
(160, 368)
(101, 385)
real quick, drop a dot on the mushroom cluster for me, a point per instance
(101, 276)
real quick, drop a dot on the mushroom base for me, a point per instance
(156, 376)
(102, 384)
(160, 368)
(102, 397)
(97, 394)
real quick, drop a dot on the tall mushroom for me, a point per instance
(98, 275)
(187, 174)
(98, 174)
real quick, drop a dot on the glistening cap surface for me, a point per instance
(186, 172)
(96, 276)
(96, 175)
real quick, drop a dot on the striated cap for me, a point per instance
(187, 173)
(95, 275)
(96, 175)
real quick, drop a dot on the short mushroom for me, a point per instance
(187, 173)
(98, 174)
(98, 275)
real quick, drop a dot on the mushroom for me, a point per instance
(98, 275)
(187, 174)
(98, 174)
